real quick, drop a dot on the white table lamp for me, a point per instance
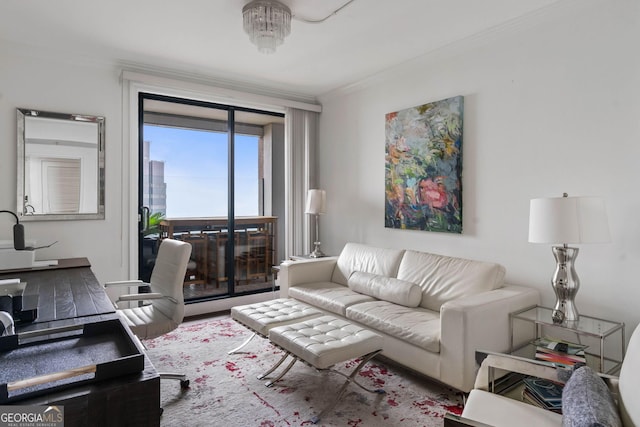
(316, 205)
(563, 221)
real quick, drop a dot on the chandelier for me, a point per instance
(267, 22)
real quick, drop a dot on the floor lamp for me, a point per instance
(316, 204)
(561, 221)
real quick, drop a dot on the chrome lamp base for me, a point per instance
(317, 252)
(565, 284)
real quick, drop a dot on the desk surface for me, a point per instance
(66, 291)
(62, 263)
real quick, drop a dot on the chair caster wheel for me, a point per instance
(184, 384)
(161, 411)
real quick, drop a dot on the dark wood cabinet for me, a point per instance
(69, 294)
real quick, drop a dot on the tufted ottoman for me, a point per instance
(263, 316)
(322, 342)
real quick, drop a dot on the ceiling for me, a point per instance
(205, 37)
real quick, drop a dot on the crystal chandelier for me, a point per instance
(267, 22)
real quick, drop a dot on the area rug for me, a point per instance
(224, 390)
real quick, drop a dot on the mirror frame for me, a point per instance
(22, 114)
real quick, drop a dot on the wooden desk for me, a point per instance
(64, 291)
(70, 294)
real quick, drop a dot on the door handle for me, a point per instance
(144, 217)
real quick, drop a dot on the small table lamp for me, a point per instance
(316, 201)
(565, 220)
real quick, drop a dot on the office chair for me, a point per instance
(164, 310)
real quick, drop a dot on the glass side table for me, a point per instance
(586, 329)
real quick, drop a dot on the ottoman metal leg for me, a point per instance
(348, 380)
(274, 367)
(247, 341)
(282, 374)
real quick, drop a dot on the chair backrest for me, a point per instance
(167, 277)
(628, 383)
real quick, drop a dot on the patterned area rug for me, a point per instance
(225, 392)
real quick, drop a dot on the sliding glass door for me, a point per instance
(206, 176)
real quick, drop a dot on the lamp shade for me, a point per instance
(316, 202)
(568, 220)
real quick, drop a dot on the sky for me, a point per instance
(196, 171)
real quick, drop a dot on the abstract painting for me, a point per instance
(423, 167)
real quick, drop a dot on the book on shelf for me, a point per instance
(543, 393)
(559, 358)
(558, 352)
(559, 345)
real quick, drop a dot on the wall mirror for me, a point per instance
(60, 166)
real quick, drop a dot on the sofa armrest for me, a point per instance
(479, 321)
(293, 273)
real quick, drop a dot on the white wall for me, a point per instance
(551, 106)
(51, 82)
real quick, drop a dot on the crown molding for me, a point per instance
(209, 89)
(226, 87)
(207, 81)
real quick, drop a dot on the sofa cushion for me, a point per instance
(386, 288)
(445, 278)
(327, 296)
(587, 402)
(418, 326)
(358, 257)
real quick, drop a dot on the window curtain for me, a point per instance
(301, 139)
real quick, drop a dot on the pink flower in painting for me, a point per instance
(433, 193)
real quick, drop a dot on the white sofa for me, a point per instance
(433, 311)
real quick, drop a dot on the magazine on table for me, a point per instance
(559, 346)
(543, 393)
(558, 352)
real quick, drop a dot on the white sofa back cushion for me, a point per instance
(444, 278)
(386, 288)
(359, 257)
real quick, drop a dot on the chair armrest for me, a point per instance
(294, 273)
(495, 365)
(140, 297)
(451, 420)
(125, 283)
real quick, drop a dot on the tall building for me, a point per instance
(154, 188)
